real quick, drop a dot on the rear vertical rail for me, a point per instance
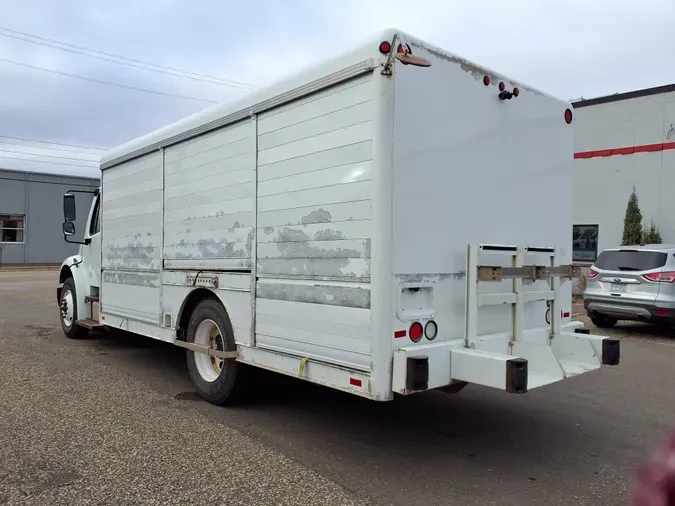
(471, 294)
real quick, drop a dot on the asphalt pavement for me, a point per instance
(113, 419)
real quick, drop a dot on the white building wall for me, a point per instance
(621, 144)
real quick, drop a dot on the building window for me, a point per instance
(12, 228)
(584, 243)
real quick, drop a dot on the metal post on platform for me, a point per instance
(471, 330)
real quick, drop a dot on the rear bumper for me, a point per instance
(495, 362)
(623, 310)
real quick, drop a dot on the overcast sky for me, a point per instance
(570, 48)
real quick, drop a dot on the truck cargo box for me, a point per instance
(393, 220)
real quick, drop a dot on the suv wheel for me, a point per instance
(602, 321)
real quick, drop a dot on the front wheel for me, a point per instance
(68, 311)
(218, 381)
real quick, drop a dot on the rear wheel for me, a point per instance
(603, 322)
(218, 381)
(68, 311)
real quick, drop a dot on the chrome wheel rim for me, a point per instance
(67, 308)
(208, 334)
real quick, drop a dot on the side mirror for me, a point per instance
(69, 209)
(68, 228)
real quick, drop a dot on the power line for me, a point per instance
(134, 63)
(233, 84)
(108, 83)
(65, 150)
(53, 143)
(47, 162)
(47, 156)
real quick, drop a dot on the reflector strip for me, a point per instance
(400, 333)
(355, 382)
(566, 315)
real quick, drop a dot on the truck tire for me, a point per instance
(68, 311)
(216, 380)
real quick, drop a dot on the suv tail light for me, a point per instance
(591, 273)
(661, 277)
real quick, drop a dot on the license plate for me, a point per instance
(618, 287)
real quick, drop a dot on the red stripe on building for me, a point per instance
(623, 151)
(629, 150)
(648, 148)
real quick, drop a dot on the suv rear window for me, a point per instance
(630, 260)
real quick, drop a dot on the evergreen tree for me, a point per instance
(652, 236)
(632, 223)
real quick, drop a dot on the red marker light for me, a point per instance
(385, 47)
(486, 80)
(568, 116)
(516, 92)
(502, 86)
(416, 332)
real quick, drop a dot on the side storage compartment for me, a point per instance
(314, 228)
(209, 184)
(131, 239)
(209, 217)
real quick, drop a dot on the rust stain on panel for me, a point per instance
(132, 278)
(356, 297)
(476, 71)
(430, 278)
(324, 268)
(206, 248)
(317, 216)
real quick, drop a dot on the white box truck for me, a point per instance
(394, 220)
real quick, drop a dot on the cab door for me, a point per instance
(91, 250)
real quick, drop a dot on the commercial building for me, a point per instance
(31, 215)
(623, 141)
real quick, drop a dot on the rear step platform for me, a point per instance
(89, 324)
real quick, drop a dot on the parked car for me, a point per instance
(632, 283)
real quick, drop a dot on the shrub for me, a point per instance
(632, 223)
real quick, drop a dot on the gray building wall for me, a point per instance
(39, 197)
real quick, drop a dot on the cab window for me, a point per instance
(95, 225)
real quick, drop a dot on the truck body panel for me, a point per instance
(471, 168)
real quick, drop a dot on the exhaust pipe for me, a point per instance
(642, 319)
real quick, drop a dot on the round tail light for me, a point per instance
(486, 80)
(431, 330)
(516, 92)
(416, 332)
(385, 47)
(568, 116)
(502, 86)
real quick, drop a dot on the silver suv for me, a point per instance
(632, 283)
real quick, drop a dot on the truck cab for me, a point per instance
(80, 274)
